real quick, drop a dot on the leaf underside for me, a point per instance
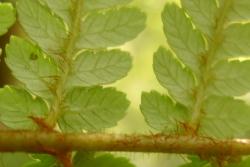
(31, 66)
(64, 65)
(18, 107)
(103, 160)
(39, 66)
(93, 109)
(111, 28)
(204, 68)
(7, 17)
(98, 68)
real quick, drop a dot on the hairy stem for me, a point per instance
(12, 141)
(65, 63)
(208, 59)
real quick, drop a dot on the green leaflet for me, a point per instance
(196, 162)
(104, 160)
(210, 75)
(236, 41)
(82, 157)
(161, 113)
(93, 109)
(17, 106)
(240, 11)
(32, 67)
(243, 163)
(13, 159)
(187, 42)
(111, 28)
(225, 117)
(203, 14)
(44, 27)
(102, 67)
(230, 78)
(63, 7)
(42, 160)
(60, 8)
(177, 80)
(101, 4)
(7, 17)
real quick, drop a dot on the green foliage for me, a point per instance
(231, 78)
(196, 162)
(186, 41)
(71, 55)
(47, 71)
(202, 70)
(60, 8)
(7, 17)
(234, 114)
(42, 160)
(100, 4)
(83, 159)
(240, 11)
(161, 113)
(93, 109)
(235, 44)
(244, 163)
(42, 26)
(101, 67)
(202, 13)
(178, 80)
(64, 65)
(187, 36)
(13, 159)
(113, 28)
(18, 107)
(31, 66)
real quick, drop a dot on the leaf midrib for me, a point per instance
(207, 68)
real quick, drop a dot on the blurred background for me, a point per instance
(140, 78)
